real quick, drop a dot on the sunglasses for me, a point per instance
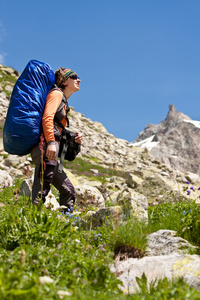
(74, 77)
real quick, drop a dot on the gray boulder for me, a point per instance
(87, 195)
(165, 242)
(156, 268)
(166, 257)
(133, 203)
(5, 179)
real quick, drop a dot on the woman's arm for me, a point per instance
(53, 101)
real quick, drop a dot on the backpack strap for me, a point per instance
(65, 145)
(64, 150)
(62, 104)
(58, 122)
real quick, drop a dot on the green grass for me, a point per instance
(127, 239)
(52, 247)
(36, 242)
(82, 166)
(183, 217)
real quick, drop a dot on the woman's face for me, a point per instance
(73, 84)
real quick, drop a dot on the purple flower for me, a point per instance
(188, 192)
(191, 188)
(187, 182)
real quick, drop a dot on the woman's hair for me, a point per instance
(61, 75)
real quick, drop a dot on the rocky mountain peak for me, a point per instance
(175, 141)
(172, 109)
(174, 115)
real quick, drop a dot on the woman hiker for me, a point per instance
(54, 119)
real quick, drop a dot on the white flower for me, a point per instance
(45, 279)
(61, 294)
(77, 241)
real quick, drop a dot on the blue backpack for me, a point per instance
(22, 126)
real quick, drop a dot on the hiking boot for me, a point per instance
(67, 207)
(70, 206)
(68, 210)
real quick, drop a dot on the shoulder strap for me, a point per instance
(62, 104)
(64, 150)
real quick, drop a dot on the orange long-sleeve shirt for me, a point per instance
(53, 101)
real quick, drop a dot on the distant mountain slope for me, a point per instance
(175, 141)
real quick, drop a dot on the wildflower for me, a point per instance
(23, 257)
(188, 192)
(62, 294)
(192, 188)
(102, 247)
(187, 182)
(184, 212)
(77, 241)
(59, 246)
(198, 188)
(45, 279)
(68, 214)
(28, 171)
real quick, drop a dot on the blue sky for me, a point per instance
(134, 57)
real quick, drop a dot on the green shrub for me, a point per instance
(183, 217)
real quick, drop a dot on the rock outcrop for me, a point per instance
(175, 141)
(6, 87)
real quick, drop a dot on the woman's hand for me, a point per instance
(51, 152)
(78, 138)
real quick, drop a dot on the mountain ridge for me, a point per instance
(174, 141)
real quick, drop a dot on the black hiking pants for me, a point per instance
(51, 176)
